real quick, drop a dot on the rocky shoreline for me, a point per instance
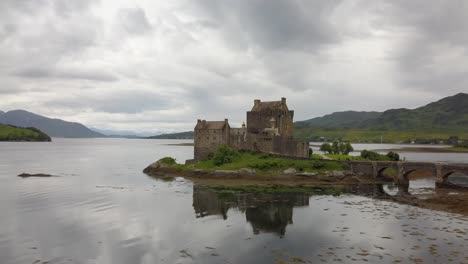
(443, 199)
(158, 168)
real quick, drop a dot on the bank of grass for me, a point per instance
(265, 164)
(12, 133)
(458, 149)
(343, 157)
(316, 156)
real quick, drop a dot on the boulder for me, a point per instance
(307, 174)
(41, 175)
(247, 171)
(339, 174)
(289, 171)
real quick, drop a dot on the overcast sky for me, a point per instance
(159, 65)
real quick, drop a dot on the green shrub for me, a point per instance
(224, 155)
(318, 165)
(370, 155)
(393, 156)
(168, 161)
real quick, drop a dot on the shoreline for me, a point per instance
(423, 150)
(452, 200)
(446, 199)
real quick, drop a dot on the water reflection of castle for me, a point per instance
(266, 212)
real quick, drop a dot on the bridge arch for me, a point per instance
(380, 174)
(445, 178)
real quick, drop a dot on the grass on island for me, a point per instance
(261, 163)
(343, 157)
(12, 133)
(366, 155)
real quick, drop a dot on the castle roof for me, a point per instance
(270, 105)
(203, 124)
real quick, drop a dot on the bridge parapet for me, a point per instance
(440, 170)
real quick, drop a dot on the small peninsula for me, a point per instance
(12, 133)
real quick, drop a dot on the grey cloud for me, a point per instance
(276, 24)
(128, 102)
(67, 8)
(6, 31)
(94, 75)
(434, 56)
(133, 20)
(209, 59)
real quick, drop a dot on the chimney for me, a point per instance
(243, 124)
(283, 100)
(225, 120)
(198, 121)
(256, 101)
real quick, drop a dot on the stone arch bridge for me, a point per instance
(441, 171)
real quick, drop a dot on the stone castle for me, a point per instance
(269, 129)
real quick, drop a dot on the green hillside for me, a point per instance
(12, 133)
(181, 135)
(431, 123)
(339, 119)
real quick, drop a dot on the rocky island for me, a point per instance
(263, 155)
(13, 133)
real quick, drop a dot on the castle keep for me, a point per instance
(269, 129)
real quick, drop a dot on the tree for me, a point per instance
(310, 152)
(325, 148)
(393, 156)
(335, 148)
(346, 148)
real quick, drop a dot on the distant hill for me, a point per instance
(181, 135)
(449, 113)
(437, 120)
(340, 119)
(12, 133)
(52, 127)
(121, 133)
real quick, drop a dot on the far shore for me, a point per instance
(425, 150)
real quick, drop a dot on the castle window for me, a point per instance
(214, 138)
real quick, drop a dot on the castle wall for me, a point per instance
(257, 121)
(293, 148)
(238, 138)
(208, 140)
(269, 130)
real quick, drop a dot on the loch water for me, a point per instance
(101, 208)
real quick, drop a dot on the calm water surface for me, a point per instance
(102, 209)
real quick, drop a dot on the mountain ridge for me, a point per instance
(51, 126)
(450, 111)
(430, 123)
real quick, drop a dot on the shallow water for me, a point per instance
(102, 209)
